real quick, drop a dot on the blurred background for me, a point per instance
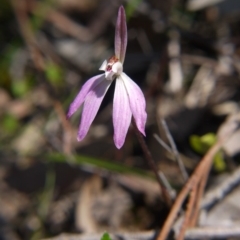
(185, 56)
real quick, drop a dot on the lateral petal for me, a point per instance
(79, 99)
(91, 105)
(137, 102)
(121, 35)
(121, 113)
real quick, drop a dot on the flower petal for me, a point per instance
(92, 103)
(137, 102)
(121, 113)
(79, 99)
(121, 35)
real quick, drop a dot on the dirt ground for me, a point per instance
(184, 55)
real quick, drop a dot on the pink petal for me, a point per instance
(79, 99)
(137, 102)
(121, 113)
(92, 103)
(121, 35)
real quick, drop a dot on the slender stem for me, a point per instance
(152, 165)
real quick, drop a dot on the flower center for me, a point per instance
(113, 68)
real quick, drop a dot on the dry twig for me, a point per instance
(212, 233)
(68, 26)
(191, 183)
(198, 180)
(220, 191)
(20, 9)
(175, 151)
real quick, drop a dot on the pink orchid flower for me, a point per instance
(128, 98)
